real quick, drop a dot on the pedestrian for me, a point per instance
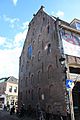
(12, 110)
(5, 107)
(8, 107)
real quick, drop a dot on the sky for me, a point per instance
(15, 16)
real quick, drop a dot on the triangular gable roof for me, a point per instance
(12, 80)
(9, 79)
(74, 21)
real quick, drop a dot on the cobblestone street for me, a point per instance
(4, 115)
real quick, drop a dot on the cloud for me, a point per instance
(9, 62)
(14, 2)
(9, 56)
(19, 38)
(25, 25)
(11, 21)
(2, 40)
(60, 13)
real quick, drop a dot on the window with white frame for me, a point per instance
(15, 89)
(10, 89)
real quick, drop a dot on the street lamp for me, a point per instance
(62, 60)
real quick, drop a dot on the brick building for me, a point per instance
(50, 57)
(8, 91)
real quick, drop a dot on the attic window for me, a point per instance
(43, 18)
(78, 25)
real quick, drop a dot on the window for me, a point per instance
(29, 91)
(50, 72)
(51, 90)
(32, 95)
(29, 74)
(32, 61)
(49, 48)
(48, 28)
(30, 51)
(32, 79)
(74, 70)
(42, 45)
(26, 81)
(39, 39)
(77, 25)
(33, 43)
(20, 95)
(26, 94)
(39, 56)
(39, 76)
(15, 89)
(56, 61)
(39, 93)
(10, 89)
(42, 67)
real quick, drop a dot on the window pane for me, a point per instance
(30, 51)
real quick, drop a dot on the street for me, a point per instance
(4, 115)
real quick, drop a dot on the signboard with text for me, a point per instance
(71, 44)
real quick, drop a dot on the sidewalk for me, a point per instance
(26, 118)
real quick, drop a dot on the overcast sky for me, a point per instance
(14, 18)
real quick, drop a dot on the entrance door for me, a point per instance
(76, 100)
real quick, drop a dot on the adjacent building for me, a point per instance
(49, 65)
(8, 91)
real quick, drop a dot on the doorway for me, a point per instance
(76, 100)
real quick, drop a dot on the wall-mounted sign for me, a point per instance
(69, 83)
(71, 44)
